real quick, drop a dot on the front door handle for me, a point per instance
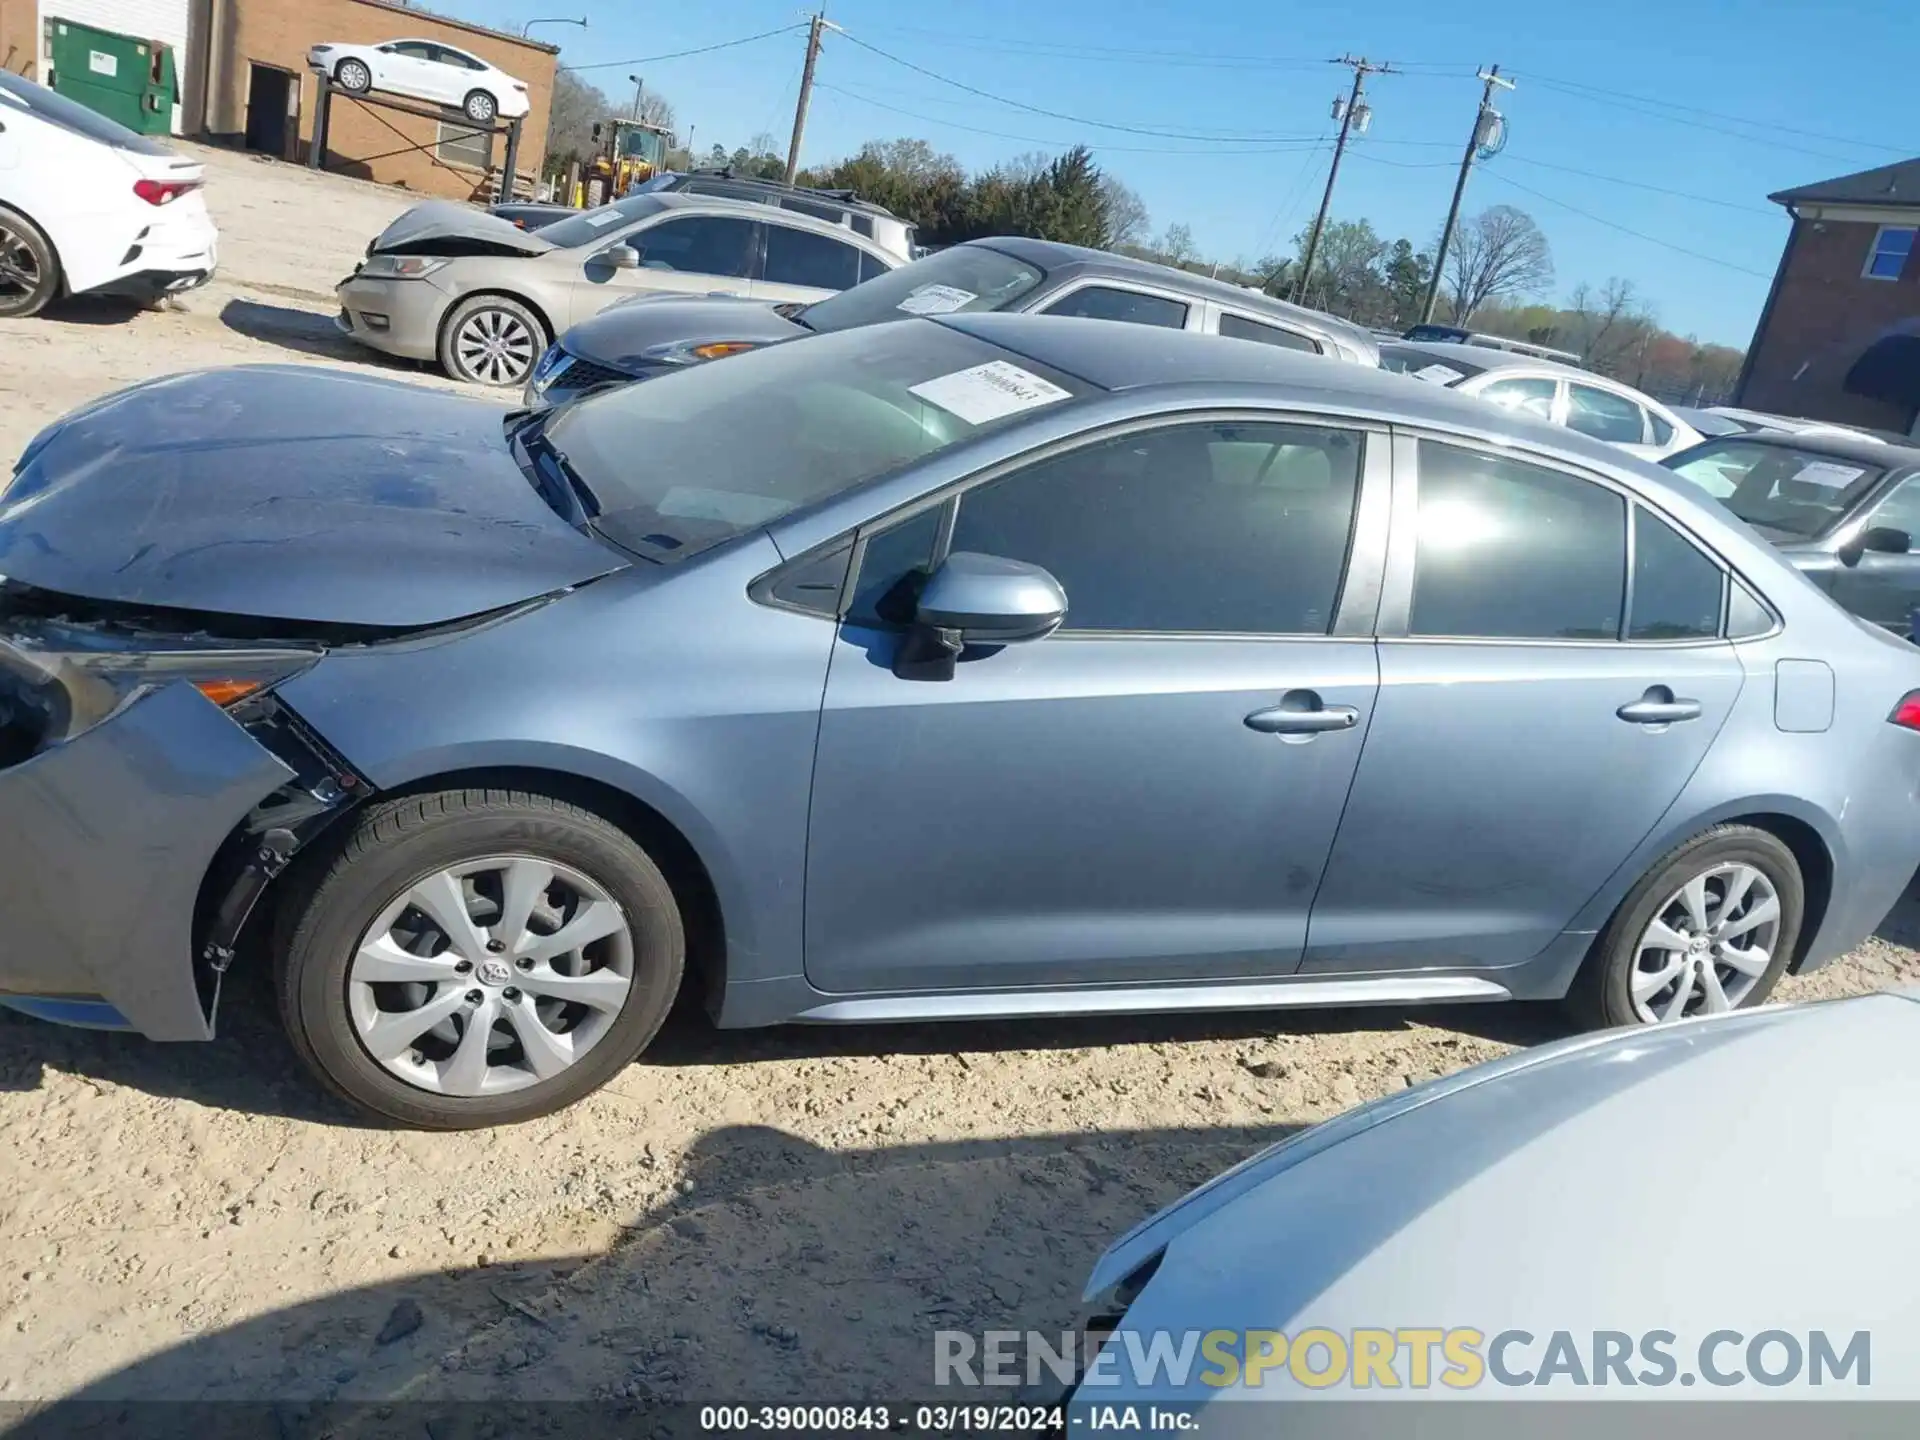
(1659, 706)
(1301, 713)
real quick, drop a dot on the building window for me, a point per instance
(461, 145)
(1891, 247)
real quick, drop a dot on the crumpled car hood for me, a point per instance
(290, 493)
(620, 337)
(434, 220)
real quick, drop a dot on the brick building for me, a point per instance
(244, 80)
(1839, 338)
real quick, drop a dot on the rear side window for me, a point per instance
(871, 266)
(1676, 589)
(1238, 327)
(1605, 416)
(1662, 432)
(1527, 395)
(1508, 550)
(1100, 302)
(800, 257)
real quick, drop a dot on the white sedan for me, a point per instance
(89, 207)
(424, 70)
(1577, 399)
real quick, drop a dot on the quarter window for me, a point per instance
(1238, 327)
(800, 257)
(1102, 302)
(1194, 529)
(1901, 509)
(1605, 415)
(1892, 244)
(700, 245)
(1676, 589)
(1508, 550)
(871, 266)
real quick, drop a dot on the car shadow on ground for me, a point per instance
(93, 310)
(305, 332)
(772, 1270)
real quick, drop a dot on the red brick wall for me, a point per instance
(1824, 315)
(362, 139)
(20, 37)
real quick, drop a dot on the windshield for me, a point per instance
(592, 225)
(696, 457)
(965, 278)
(68, 115)
(1797, 492)
(1422, 365)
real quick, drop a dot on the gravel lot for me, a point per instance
(782, 1215)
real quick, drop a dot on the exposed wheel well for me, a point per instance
(1816, 869)
(686, 875)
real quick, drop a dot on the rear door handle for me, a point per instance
(1296, 719)
(1659, 706)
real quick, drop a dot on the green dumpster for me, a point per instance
(122, 77)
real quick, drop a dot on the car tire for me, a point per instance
(336, 947)
(492, 340)
(29, 267)
(480, 107)
(1731, 962)
(353, 76)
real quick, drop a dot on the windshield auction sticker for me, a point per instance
(937, 300)
(1825, 473)
(1438, 374)
(989, 392)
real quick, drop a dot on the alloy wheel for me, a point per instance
(19, 267)
(1707, 946)
(490, 976)
(480, 107)
(495, 347)
(353, 75)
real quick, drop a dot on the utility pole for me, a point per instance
(1353, 109)
(1489, 79)
(819, 23)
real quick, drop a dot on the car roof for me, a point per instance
(1881, 454)
(1486, 357)
(1137, 357)
(1073, 260)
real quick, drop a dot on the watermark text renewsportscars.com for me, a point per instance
(1418, 1358)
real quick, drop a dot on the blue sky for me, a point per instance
(1719, 100)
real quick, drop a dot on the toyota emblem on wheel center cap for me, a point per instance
(495, 972)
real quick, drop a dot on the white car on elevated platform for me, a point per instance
(424, 70)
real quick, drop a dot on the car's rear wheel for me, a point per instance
(1711, 928)
(480, 107)
(353, 76)
(491, 340)
(29, 268)
(477, 957)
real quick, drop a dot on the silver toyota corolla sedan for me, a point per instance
(961, 667)
(1725, 1209)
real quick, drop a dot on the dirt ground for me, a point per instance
(787, 1214)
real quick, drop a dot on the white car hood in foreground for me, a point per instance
(1753, 1173)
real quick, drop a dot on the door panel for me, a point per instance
(1074, 811)
(1499, 790)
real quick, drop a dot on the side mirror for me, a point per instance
(977, 599)
(621, 257)
(1880, 539)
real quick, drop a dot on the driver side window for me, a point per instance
(699, 245)
(1900, 510)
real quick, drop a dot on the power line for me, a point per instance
(1098, 145)
(1624, 230)
(1640, 185)
(1596, 92)
(1295, 193)
(682, 54)
(1062, 115)
(1628, 106)
(1079, 50)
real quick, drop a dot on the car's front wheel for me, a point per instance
(480, 107)
(29, 268)
(492, 340)
(353, 76)
(1711, 928)
(477, 957)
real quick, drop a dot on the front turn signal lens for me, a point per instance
(228, 692)
(721, 348)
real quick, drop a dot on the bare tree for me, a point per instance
(1611, 326)
(1176, 246)
(1497, 253)
(575, 109)
(1127, 221)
